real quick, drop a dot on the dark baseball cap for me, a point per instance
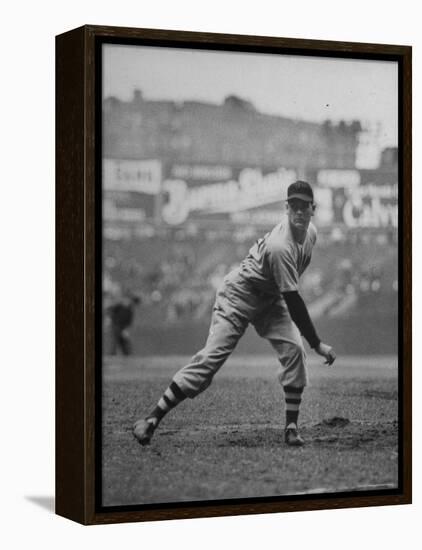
(300, 190)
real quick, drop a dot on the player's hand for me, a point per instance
(326, 351)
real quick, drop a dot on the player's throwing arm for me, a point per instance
(326, 351)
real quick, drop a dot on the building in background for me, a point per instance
(233, 133)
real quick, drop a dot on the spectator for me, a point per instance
(121, 315)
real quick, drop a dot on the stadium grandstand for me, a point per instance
(187, 189)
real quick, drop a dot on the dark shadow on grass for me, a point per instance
(46, 502)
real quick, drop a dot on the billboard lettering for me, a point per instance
(371, 206)
(140, 176)
(338, 178)
(251, 189)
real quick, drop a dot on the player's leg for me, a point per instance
(285, 338)
(197, 375)
(293, 379)
(125, 343)
(144, 428)
(114, 340)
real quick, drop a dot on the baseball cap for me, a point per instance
(300, 190)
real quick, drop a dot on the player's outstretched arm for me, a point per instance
(300, 315)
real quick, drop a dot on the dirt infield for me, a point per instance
(227, 443)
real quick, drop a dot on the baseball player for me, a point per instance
(263, 291)
(121, 315)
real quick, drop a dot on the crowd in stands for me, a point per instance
(178, 281)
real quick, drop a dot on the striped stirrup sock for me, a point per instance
(293, 398)
(170, 398)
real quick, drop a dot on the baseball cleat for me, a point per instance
(143, 430)
(292, 437)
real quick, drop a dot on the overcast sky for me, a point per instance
(309, 88)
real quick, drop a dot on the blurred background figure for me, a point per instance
(121, 314)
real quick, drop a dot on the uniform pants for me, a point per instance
(237, 304)
(120, 340)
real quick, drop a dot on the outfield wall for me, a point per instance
(352, 336)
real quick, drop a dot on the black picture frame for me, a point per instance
(78, 273)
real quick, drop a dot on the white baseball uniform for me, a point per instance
(252, 293)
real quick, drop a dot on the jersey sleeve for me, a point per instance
(312, 233)
(283, 266)
(300, 315)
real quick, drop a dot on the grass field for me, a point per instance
(228, 442)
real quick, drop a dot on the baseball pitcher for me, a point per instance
(263, 291)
